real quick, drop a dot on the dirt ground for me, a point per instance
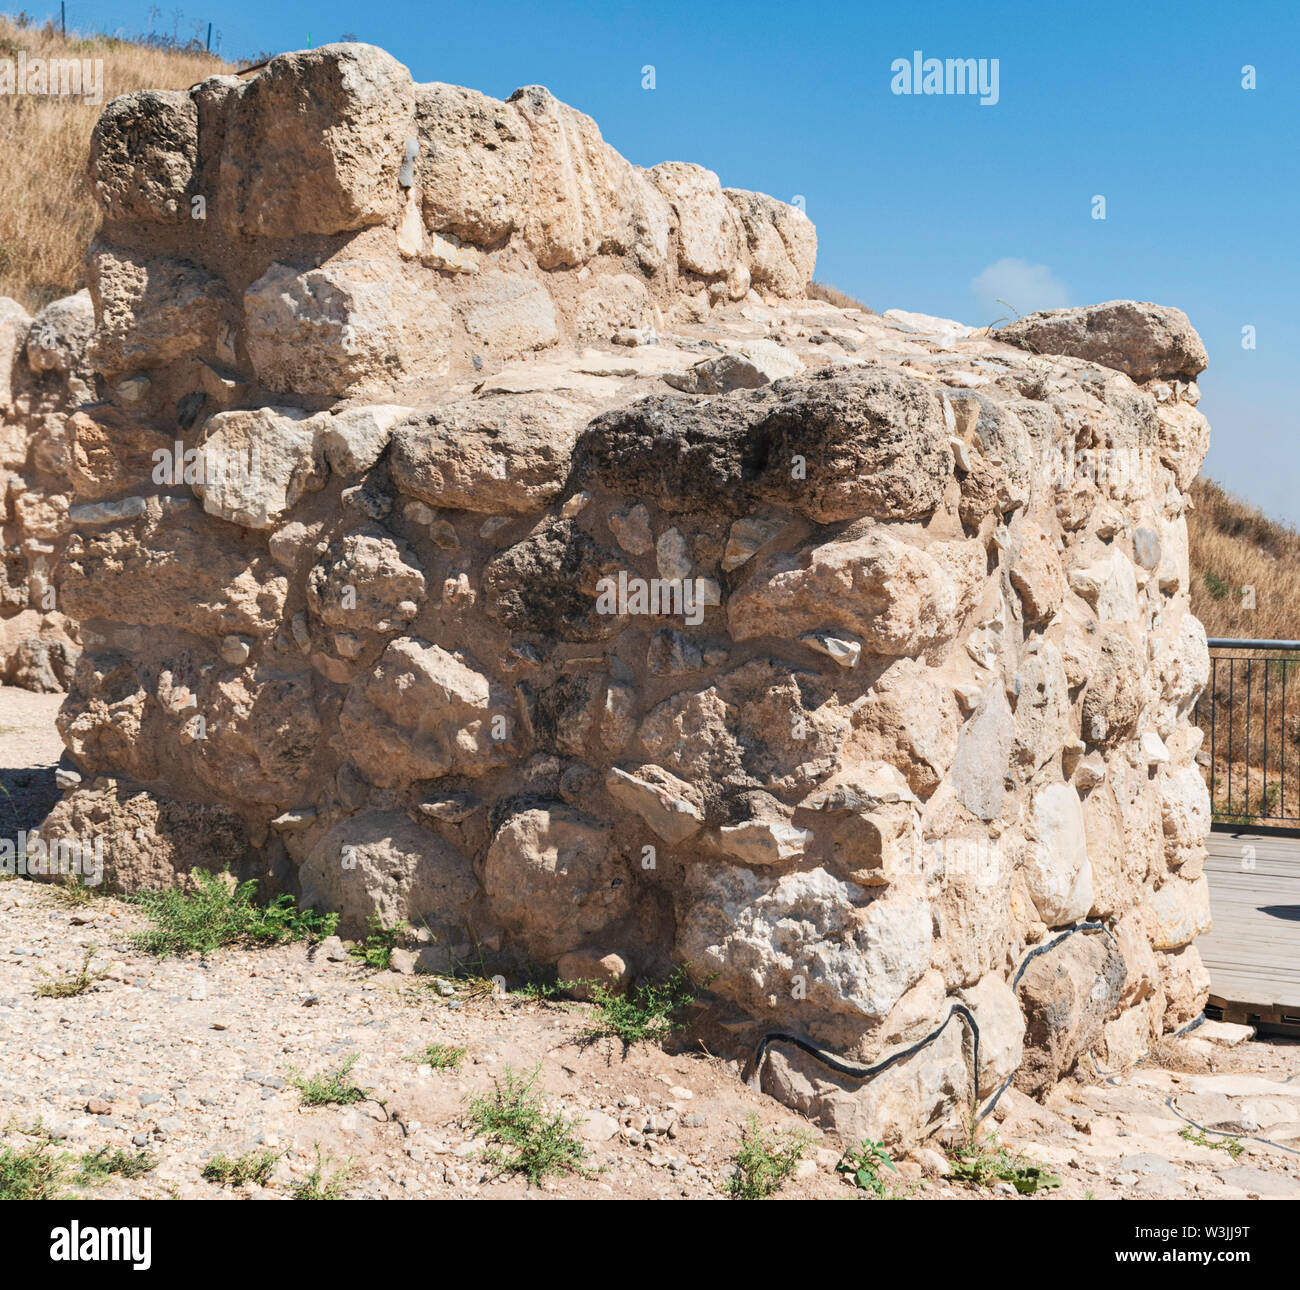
(189, 1057)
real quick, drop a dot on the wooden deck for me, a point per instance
(1253, 951)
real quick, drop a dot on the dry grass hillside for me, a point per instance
(1233, 548)
(47, 215)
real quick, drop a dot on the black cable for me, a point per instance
(853, 1071)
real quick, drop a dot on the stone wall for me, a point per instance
(541, 567)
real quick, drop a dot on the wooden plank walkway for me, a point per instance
(1253, 950)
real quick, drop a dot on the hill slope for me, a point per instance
(1232, 547)
(47, 214)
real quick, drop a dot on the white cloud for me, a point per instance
(1024, 286)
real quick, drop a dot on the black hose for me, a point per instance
(854, 1071)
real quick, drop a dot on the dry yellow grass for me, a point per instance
(47, 214)
(1233, 548)
(1239, 557)
(834, 296)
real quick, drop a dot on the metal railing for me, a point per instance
(1253, 745)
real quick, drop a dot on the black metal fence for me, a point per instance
(1250, 714)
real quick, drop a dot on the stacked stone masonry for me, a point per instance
(465, 526)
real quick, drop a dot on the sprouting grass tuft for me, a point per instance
(330, 1088)
(236, 1171)
(525, 1138)
(72, 984)
(440, 1056)
(218, 911)
(317, 1186)
(765, 1160)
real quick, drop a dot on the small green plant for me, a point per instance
(74, 983)
(525, 1137)
(643, 1013)
(984, 1161)
(376, 951)
(862, 1166)
(441, 1057)
(330, 1088)
(219, 911)
(1233, 1146)
(316, 1186)
(97, 1166)
(35, 1172)
(71, 891)
(1216, 586)
(235, 1171)
(766, 1160)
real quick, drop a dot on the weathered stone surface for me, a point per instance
(1067, 995)
(496, 455)
(420, 713)
(1180, 912)
(150, 311)
(143, 155)
(149, 842)
(980, 762)
(510, 315)
(1002, 1031)
(669, 805)
(1185, 983)
(175, 577)
(765, 937)
(59, 336)
(256, 465)
(347, 325)
(355, 439)
(873, 443)
(367, 581)
(1056, 856)
(475, 163)
(380, 863)
(897, 598)
(708, 228)
(15, 322)
(552, 874)
(548, 584)
(1042, 708)
(1037, 576)
(315, 141)
(782, 242)
(1143, 341)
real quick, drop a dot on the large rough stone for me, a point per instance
(708, 228)
(1067, 994)
(177, 577)
(151, 310)
(1179, 912)
(419, 714)
(314, 143)
(834, 446)
(1056, 856)
(510, 315)
(782, 242)
(256, 465)
(498, 455)
(474, 164)
(346, 326)
(979, 765)
(143, 155)
(807, 936)
(552, 875)
(380, 863)
(894, 597)
(367, 581)
(1143, 341)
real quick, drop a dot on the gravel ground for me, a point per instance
(190, 1057)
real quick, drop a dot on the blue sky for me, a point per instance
(920, 201)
